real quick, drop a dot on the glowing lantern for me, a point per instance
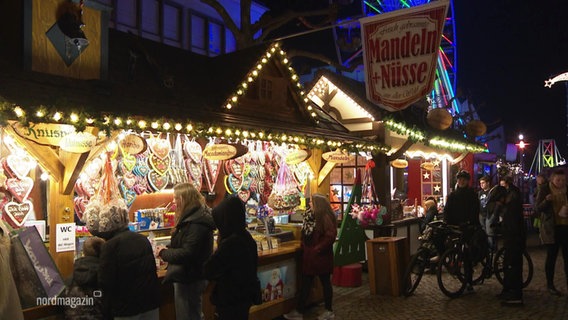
(399, 163)
(439, 118)
(475, 128)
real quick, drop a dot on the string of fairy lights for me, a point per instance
(417, 135)
(110, 122)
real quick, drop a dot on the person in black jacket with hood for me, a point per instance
(191, 245)
(85, 283)
(233, 265)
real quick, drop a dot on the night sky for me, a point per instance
(506, 50)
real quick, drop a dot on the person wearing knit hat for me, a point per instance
(127, 272)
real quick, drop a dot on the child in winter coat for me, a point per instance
(84, 284)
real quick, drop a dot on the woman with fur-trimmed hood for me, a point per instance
(10, 307)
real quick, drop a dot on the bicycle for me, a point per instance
(497, 265)
(461, 265)
(431, 243)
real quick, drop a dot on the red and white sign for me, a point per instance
(400, 50)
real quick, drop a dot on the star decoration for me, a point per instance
(436, 163)
(437, 188)
(426, 175)
(548, 83)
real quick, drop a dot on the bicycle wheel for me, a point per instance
(481, 269)
(499, 267)
(451, 273)
(414, 271)
(528, 269)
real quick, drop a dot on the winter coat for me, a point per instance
(317, 251)
(233, 266)
(546, 211)
(513, 227)
(83, 284)
(462, 207)
(10, 307)
(127, 274)
(191, 245)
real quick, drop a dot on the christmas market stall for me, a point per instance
(152, 116)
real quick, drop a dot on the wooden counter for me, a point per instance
(283, 261)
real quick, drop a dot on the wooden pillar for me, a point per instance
(381, 178)
(60, 209)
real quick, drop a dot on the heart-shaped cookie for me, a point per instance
(16, 214)
(20, 189)
(128, 161)
(194, 169)
(129, 179)
(19, 165)
(160, 147)
(244, 195)
(129, 196)
(157, 181)
(193, 150)
(80, 203)
(211, 169)
(160, 165)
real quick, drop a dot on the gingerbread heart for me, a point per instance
(194, 169)
(160, 147)
(244, 195)
(211, 169)
(16, 214)
(160, 165)
(19, 165)
(193, 150)
(141, 169)
(80, 203)
(129, 180)
(20, 189)
(129, 162)
(157, 181)
(129, 196)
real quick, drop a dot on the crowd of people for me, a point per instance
(121, 263)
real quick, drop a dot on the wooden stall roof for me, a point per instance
(149, 79)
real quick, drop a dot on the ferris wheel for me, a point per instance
(446, 73)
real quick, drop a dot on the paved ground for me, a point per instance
(428, 302)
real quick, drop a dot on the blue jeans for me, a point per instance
(148, 315)
(486, 223)
(187, 297)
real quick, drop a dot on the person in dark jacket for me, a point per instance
(552, 206)
(85, 283)
(127, 272)
(233, 265)
(462, 206)
(318, 237)
(513, 233)
(191, 245)
(462, 209)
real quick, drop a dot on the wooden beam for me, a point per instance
(60, 208)
(101, 147)
(44, 155)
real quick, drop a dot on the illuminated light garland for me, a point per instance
(108, 123)
(416, 135)
(272, 52)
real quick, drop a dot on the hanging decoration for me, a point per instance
(285, 194)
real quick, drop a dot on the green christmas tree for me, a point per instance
(350, 247)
